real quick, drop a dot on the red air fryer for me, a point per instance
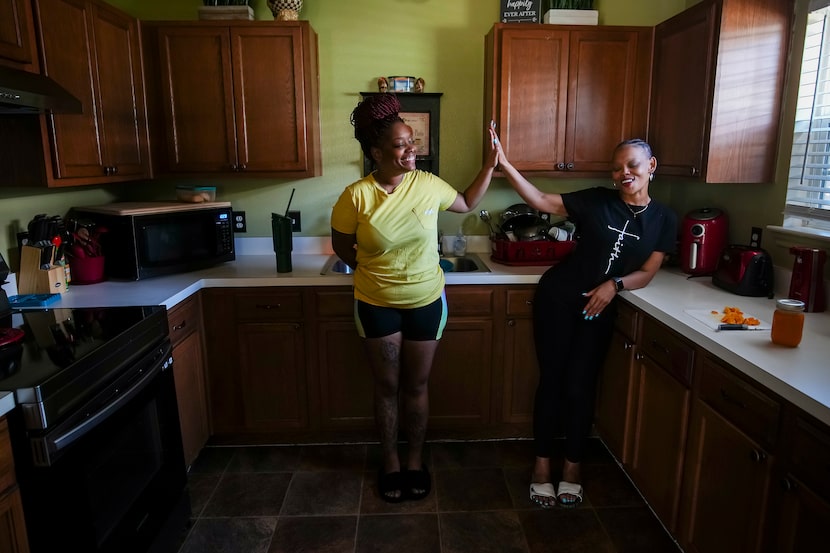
(703, 236)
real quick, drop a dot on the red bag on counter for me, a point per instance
(537, 252)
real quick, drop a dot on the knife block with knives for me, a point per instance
(38, 275)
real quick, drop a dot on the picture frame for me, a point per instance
(421, 111)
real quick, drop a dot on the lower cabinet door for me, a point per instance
(12, 526)
(188, 371)
(725, 491)
(615, 407)
(346, 383)
(803, 519)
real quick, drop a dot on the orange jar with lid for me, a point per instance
(787, 322)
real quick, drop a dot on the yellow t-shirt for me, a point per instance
(397, 238)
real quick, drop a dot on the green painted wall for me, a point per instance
(439, 40)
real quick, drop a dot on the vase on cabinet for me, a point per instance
(286, 10)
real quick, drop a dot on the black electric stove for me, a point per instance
(53, 360)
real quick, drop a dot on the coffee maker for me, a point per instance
(807, 282)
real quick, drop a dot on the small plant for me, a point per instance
(225, 2)
(571, 4)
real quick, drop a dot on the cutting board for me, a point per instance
(712, 320)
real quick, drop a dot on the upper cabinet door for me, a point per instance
(17, 34)
(91, 49)
(717, 89)
(197, 99)
(564, 96)
(239, 98)
(531, 88)
(608, 94)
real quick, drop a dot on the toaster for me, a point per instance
(744, 270)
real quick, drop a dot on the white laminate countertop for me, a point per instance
(801, 375)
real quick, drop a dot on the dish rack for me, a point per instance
(537, 252)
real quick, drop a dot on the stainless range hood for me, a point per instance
(24, 92)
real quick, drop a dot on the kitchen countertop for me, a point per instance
(801, 375)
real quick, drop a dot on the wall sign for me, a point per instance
(521, 11)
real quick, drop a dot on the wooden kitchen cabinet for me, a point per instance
(461, 378)
(617, 385)
(13, 537)
(17, 32)
(93, 50)
(185, 321)
(717, 88)
(664, 365)
(235, 98)
(346, 386)
(800, 500)
(734, 426)
(521, 368)
(564, 96)
(257, 370)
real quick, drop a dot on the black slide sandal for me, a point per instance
(418, 483)
(388, 484)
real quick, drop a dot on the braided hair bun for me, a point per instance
(372, 118)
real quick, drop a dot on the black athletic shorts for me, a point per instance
(419, 324)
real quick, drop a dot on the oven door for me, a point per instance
(116, 476)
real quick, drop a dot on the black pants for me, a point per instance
(570, 352)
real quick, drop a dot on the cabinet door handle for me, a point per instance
(511, 322)
(628, 345)
(639, 356)
(570, 166)
(693, 171)
(243, 167)
(115, 170)
(757, 456)
(268, 306)
(234, 167)
(788, 485)
(733, 400)
(560, 166)
(180, 325)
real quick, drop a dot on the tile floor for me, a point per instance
(322, 499)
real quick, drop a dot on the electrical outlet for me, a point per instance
(296, 222)
(755, 237)
(239, 222)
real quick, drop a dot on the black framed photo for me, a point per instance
(422, 112)
(521, 11)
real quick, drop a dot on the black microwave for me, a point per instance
(149, 239)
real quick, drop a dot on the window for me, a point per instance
(808, 187)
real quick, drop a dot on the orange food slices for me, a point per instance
(733, 315)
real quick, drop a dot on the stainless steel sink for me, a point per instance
(470, 263)
(336, 266)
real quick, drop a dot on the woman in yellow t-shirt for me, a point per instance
(385, 226)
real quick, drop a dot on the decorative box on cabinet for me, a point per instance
(564, 96)
(664, 363)
(728, 466)
(12, 525)
(17, 32)
(101, 66)
(185, 321)
(717, 88)
(617, 385)
(234, 98)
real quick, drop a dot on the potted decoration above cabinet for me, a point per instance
(571, 12)
(226, 9)
(563, 97)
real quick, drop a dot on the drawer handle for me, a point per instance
(788, 485)
(639, 356)
(628, 345)
(180, 326)
(757, 456)
(268, 306)
(511, 322)
(729, 399)
(528, 302)
(657, 345)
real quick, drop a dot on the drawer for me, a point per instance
(810, 456)
(627, 319)
(470, 300)
(668, 350)
(334, 302)
(741, 403)
(184, 319)
(520, 302)
(268, 306)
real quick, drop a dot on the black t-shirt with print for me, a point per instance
(612, 241)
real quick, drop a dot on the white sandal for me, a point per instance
(543, 495)
(569, 489)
